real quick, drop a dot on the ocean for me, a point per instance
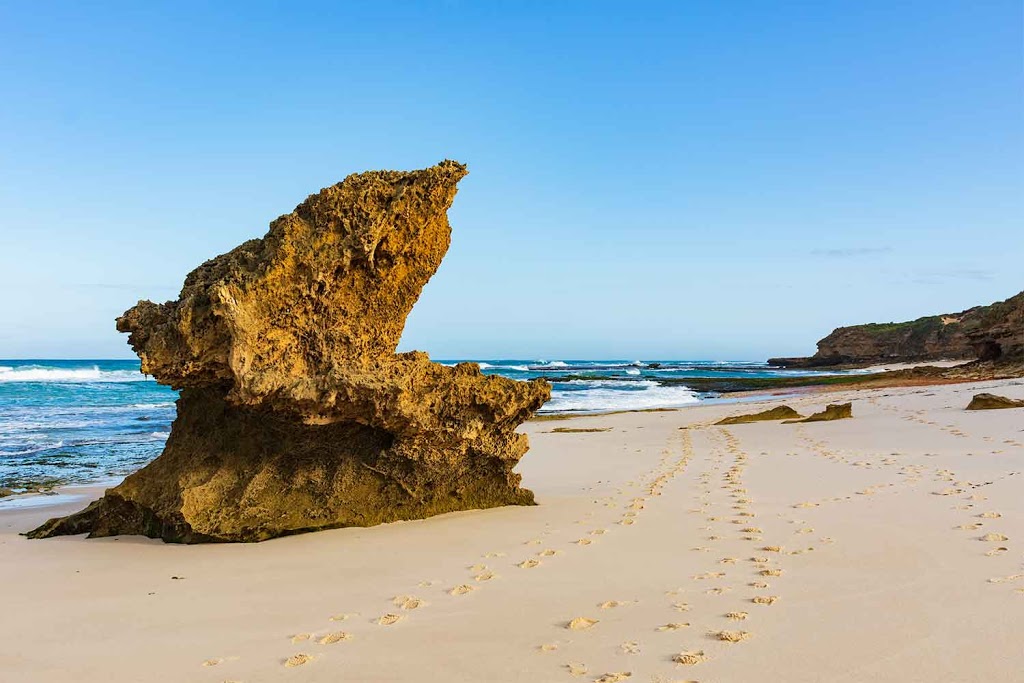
(87, 421)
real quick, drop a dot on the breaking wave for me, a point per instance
(40, 373)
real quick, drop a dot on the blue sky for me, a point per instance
(647, 180)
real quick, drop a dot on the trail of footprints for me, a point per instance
(727, 513)
(401, 607)
(980, 525)
(745, 582)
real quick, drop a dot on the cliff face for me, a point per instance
(996, 332)
(985, 332)
(295, 412)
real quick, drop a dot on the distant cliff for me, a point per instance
(991, 333)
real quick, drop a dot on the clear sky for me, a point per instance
(649, 180)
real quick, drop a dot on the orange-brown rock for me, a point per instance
(993, 402)
(833, 411)
(776, 413)
(296, 413)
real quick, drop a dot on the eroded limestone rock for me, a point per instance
(777, 413)
(993, 402)
(833, 411)
(296, 413)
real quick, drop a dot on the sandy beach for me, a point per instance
(884, 547)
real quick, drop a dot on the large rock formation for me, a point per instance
(994, 332)
(993, 402)
(296, 413)
(777, 413)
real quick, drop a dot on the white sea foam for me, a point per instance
(604, 398)
(150, 406)
(620, 384)
(38, 373)
(160, 435)
(554, 364)
(34, 449)
(633, 371)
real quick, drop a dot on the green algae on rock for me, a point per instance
(993, 402)
(296, 414)
(833, 411)
(777, 413)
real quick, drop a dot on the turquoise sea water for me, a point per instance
(93, 420)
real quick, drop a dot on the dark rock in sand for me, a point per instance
(296, 413)
(778, 413)
(833, 411)
(993, 402)
(4, 492)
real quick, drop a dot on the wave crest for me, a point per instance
(40, 373)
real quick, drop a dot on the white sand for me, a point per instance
(884, 586)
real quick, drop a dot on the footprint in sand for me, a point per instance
(298, 660)
(389, 619)
(630, 648)
(213, 662)
(583, 541)
(547, 553)
(300, 637)
(462, 589)
(581, 624)
(672, 626)
(731, 636)
(709, 575)
(736, 616)
(407, 602)
(614, 677)
(996, 551)
(528, 564)
(690, 658)
(576, 669)
(609, 604)
(341, 617)
(336, 637)
(764, 599)
(770, 572)
(485, 576)
(990, 515)
(680, 607)
(548, 647)
(992, 537)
